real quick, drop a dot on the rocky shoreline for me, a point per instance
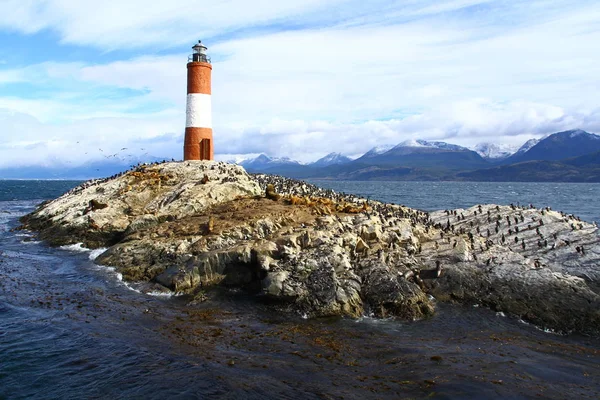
(189, 226)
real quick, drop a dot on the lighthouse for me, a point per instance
(198, 144)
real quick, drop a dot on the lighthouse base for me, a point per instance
(198, 144)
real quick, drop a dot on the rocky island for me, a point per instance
(189, 226)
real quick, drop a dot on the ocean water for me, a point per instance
(580, 199)
(71, 329)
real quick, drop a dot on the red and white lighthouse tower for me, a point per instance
(198, 144)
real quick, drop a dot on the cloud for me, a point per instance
(164, 78)
(27, 141)
(137, 24)
(115, 24)
(11, 76)
(466, 123)
(300, 79)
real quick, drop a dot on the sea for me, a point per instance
(72, 329)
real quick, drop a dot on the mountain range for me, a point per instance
(569, 156)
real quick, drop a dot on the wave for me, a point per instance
(80, 248)
(111, 271)
(30, 242)
(166, 295)
(542, 329)
(96, 253)
(138, 287)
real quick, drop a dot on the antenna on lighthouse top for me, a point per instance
(199, 54)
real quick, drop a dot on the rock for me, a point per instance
(141, 222)
(187, 226)
(179, 279)
(370, 232)
(361, 246)
(164, 190)
(462, 251)
(273, 283)
(390, 296)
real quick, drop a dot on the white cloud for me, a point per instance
(349, 75)
(11, 76)
(114, 24)
(27, 141)
(465, 123)
(163, 77)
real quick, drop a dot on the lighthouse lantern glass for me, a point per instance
(199, 54)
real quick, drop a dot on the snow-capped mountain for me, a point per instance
(580, 132)
(557, 146)
(430, 144)
(411, 146)
(264, 162)
(375, 151)
(527, 145)
(238, 158)
(331, 159)
(425, 154)
(492, 151)
(563, 156)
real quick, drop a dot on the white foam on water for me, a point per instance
(30, 242)
(372, 319)
(166, 295)
(96, 253)
(128, 286)
(500, 314)
(79, 248)
(548, 330)
(75, 247)
(545, 330)
(111, 271)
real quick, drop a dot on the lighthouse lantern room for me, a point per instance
(199, 54)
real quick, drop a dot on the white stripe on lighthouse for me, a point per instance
(198, 111)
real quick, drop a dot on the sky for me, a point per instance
(83, 81)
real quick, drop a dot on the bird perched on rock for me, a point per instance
(438, 268)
